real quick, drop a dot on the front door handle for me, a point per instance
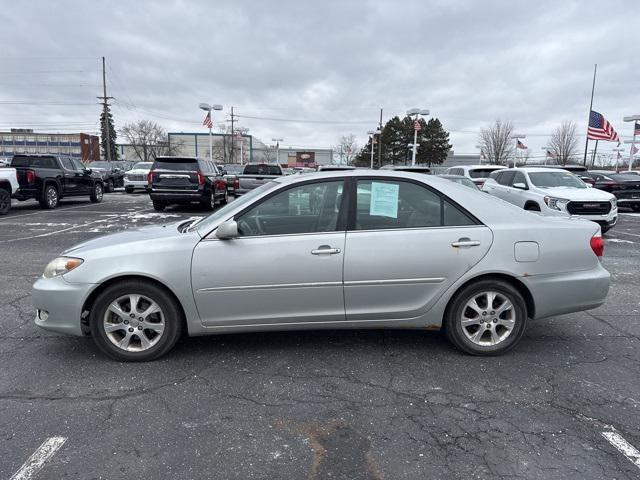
(465, 242)
(325, 250)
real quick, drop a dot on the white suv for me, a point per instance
(552, 191)
(477, 173)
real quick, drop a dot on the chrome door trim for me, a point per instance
(395, 281)
(268, 287)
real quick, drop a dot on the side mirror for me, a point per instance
(520, 186)
(88, 171)
(227, 230)
(223, 172)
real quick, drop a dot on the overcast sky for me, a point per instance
(314, 70)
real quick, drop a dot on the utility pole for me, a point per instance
(105, 106)
(593, 87)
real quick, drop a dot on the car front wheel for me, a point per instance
(487, 317)
(49, 199)
(135, 321)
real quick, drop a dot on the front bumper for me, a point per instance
(136, 184)
(63, 303)
(560, 293)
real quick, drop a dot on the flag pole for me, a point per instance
(593, 87)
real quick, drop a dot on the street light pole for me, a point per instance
(634, 119)
(209, 108)
(417, 112)
(373, 134)
(277, 140)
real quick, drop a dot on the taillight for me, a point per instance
(236, 183)
(200, 178)
(597, 245)
(31, 176)
(150, 177)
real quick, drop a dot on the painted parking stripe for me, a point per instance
(59, 209)
(36, 461)
(624, 447)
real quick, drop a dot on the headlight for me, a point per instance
(555, 203)
(60, 266)
(614, 202)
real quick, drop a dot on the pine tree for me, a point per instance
(112, 135)
(433, 141)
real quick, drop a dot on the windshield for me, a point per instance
(556, 179)
(481, 172)
(262, 169)
(232, 168)
(205, 223)
(142, 165)
(100, 165)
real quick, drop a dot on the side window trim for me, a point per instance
(353, 199)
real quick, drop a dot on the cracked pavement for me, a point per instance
(313, 405)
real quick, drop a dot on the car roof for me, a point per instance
(452, 177)
(539, 169)
(474, 167)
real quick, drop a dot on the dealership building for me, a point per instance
(82, 146)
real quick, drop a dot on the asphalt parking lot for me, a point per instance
(313, 405)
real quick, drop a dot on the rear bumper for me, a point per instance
(63, 303)
(26, 193)
(561, 293)
(177, 197)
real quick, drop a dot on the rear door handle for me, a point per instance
(325, 250)
(465, 242)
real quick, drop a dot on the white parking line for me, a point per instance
(59, 209)
(36, 461)
(624, 447)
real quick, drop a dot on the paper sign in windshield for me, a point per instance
(384, 199)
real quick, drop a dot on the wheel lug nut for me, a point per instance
(495, 320)
(131, 329)
(141, 319)
(126, 322)
(492, 312)
(132, 315)
(484, 313)
(139, 327)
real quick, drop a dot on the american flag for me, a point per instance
(601, 129)
(636, 130)
(634, 150)
(207, 121)
(416, 126)
(521, 145)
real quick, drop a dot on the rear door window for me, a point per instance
(518, 178)
(505, 178)
(67, 163)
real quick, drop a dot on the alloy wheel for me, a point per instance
(488, 318)
(133, 322)
(52, 197)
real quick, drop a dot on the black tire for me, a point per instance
(97, 193)
(458, 306)
(172, 317)
(225, 199)
(49, 199)
(532, 207)
(109, 187)
(5, 201)
(128, 189)
(209, 203)
(159, 206)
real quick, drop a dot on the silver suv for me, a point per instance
(553, 191)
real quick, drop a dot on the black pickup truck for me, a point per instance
(48, 179)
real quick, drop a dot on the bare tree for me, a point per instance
(496, 142)
(347, 148)
(148, 140)
(564, 142)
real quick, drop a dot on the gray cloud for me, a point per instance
(469, 62)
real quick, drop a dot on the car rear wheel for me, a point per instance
(159, 206)
(49, 199)
(97, 193)
(225, 199)
(5, 201)
(209, 204)
(487, 317)
(135, 321)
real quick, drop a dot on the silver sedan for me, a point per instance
(348, 249)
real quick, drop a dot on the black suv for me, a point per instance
(186, 180)
(48, 179)
(112, 174)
